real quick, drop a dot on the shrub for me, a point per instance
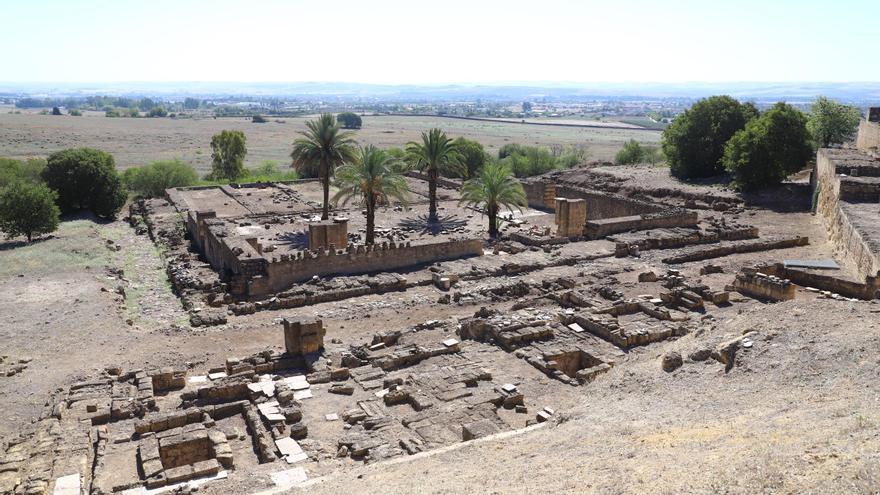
(631, 153)
(133, 112)
(259, 119)
(158, 112)
(770, 148)
(510, 149)
(152, 180)
(694, 142)
(56, 111)
(349, 120)
(529, 161)
(14, 170)
(111, 113)
(85, 178)
(28, 209)
(74, 112)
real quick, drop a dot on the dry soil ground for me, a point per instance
(796, 414)
(139, 141)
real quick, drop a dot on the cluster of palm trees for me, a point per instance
(372, 177)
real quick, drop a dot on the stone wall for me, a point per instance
(282, 272)
(850, 239)
(868, 290)
(760, 285)
(869, 135)
(672, 217)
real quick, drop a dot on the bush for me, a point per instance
(349, 120)
(74, 112)
(631, 153)
(158, 112)
(28, 209)
(111, 113)
(510, 149)
(529, 161)
(152, 180)
(56, 111)
(15, 170)
(85, 179)
(770, 148)
(133, 112)
(694, 142)
(258, 119)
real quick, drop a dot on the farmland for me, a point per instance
(135, 142)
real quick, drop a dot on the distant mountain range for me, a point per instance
(863, 93)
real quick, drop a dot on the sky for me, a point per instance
(446, 41)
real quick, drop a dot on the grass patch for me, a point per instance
(75, 246)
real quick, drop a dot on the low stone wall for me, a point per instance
(281, 273)
(759, 285)
(868, 290)
(745, 247)
(596, 229)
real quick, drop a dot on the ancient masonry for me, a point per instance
(846, 185)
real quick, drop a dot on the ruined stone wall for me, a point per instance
(851, 242)
(282, 272)
(869, 135)
(596, 229)
(599, 204)
(868, 290)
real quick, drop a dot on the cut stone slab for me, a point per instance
(288, 446)
(450, 342)
(302, 394)
(198, 379)
(298, 382)
(576, 328)
(290, 477)
(478, 429)
(825, 264)
(331, 417)
(217, 376)
(67, 485)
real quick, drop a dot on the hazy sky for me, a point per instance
(413, 41)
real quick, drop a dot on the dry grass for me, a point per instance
(138, 141)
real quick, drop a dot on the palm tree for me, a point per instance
(324, 146)
(373, 178)
(436, 153)
(495, 187)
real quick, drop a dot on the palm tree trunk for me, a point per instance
(371, 220)
(325, 181)
(432, 195)
(493, 223)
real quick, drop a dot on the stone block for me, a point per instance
(478, 429)
(303, 335)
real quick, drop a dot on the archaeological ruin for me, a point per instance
(433, 336)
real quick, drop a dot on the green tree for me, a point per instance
(436, 154)
(694, 142)
(28, 209)
(56, 111)
(527, 161)
(473, 157)
(158, 112)
(373, 178)
(228, 151)
(831, 122)
(14, 170)
(349, 120)
(770, 148)
(152, 180)
(652, 154)
(322, 148)
(191, 103)
(494, 188)
(631, 153)
(85, 179)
